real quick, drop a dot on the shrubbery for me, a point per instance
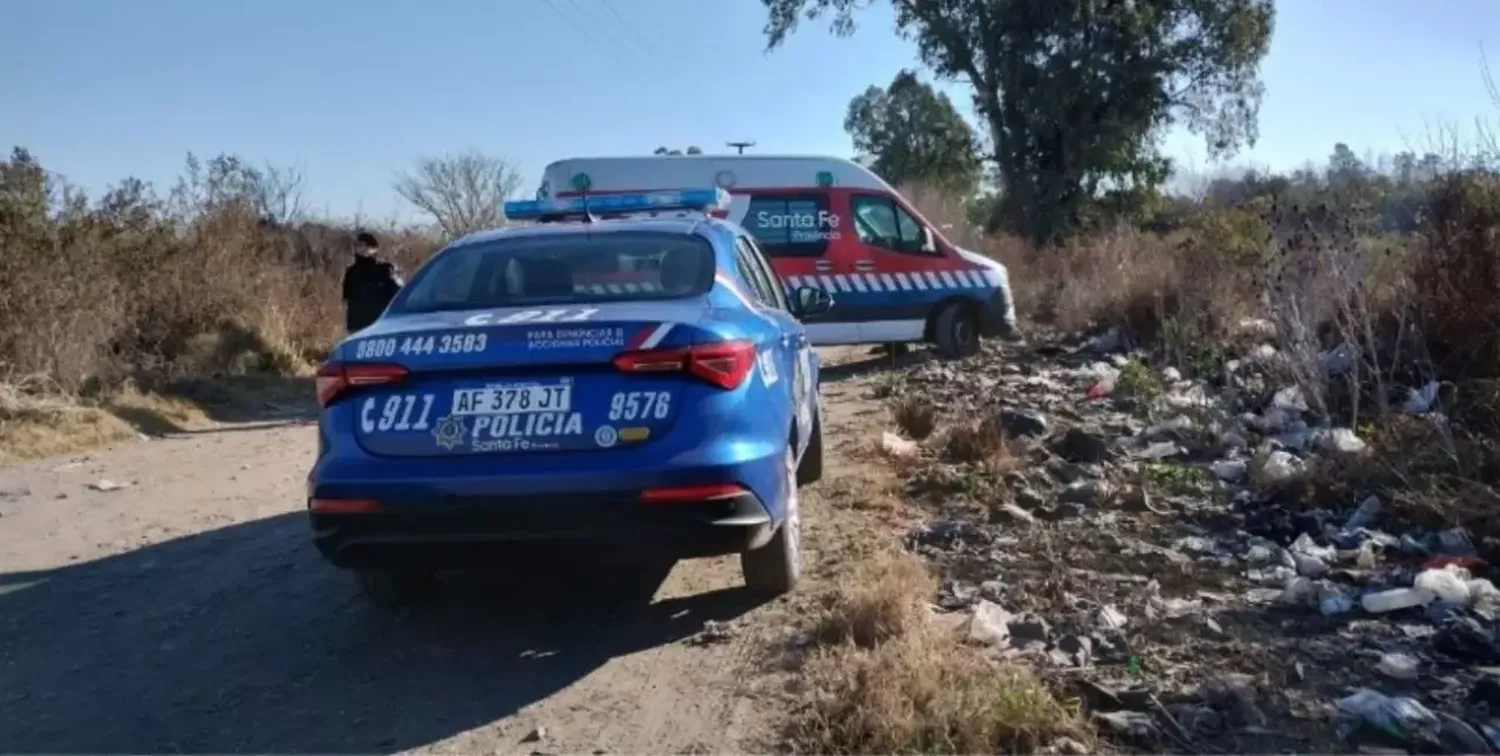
(137, 287)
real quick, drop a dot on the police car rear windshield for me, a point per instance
(619, 266)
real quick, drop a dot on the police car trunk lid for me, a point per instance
(528, 379)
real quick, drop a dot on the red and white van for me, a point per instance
(831, 223)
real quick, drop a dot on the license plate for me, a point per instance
(512, 400)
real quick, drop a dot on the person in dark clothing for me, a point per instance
(369, 284)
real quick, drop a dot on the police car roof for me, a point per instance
(633, 172)
(563, 228)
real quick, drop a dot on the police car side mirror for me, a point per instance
(929, 243)
(811, 301)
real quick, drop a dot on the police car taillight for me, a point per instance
(724, 364)
(334, 378)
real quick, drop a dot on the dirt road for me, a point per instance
(188, 611)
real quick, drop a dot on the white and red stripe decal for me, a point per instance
(650, 336)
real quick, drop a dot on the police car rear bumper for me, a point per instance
(489, 531)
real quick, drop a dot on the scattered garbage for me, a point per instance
(1399, 666)
(1402, 719)
(897, 446)
(108, 485)
(1146, 539)
(1447, 585)
(1395, 600)
(1420, 400)
(1364, 515)
(1111, 618)
(989, 624)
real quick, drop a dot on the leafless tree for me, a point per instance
(463, 193)
(277, 193)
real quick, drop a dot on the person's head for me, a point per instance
(365, 243)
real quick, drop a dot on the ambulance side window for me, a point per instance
(880, 222)
(787, 225)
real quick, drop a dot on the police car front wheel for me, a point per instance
(956, 331)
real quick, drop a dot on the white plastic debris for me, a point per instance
(108, 485)
(897, 446)
(1446, 584)
(1342, 440)
(1484, 598)
(1304, 544)
(1171, 374)
(1230, 470)
(1399, 666)
(1290, 399)
(1396, 599)
(1308, 565)
(1279, 467)
(1257, 327)
(989, 624)
(1111, 618)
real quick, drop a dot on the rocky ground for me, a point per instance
(1154, 547)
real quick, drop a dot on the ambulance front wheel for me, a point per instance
(956, 331)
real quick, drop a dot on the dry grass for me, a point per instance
(916, 417)
(205, 285)
(32, 429)
(982, 442)
(882, 599)
(889, 679)
(35, 426)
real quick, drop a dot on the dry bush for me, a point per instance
(916, 417)
(978, 441)
(884, 598)
(1457, 275)
(891, 680)
(220, 278)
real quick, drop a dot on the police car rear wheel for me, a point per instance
(774, 568)
(392, 589)
(956, 332)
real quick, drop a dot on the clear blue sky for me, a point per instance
(351, 91)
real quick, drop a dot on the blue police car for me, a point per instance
(625, 377)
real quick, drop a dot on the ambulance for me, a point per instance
(833, 224)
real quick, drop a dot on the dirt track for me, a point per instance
(189, 612)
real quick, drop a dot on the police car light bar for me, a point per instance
(698, 200)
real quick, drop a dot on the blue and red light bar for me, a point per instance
(698, 200)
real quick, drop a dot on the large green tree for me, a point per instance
(1075, 94)
(914, 134)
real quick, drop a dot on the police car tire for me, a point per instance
(956, 332)
(774, 568)
(811, 469)
(393, 589)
